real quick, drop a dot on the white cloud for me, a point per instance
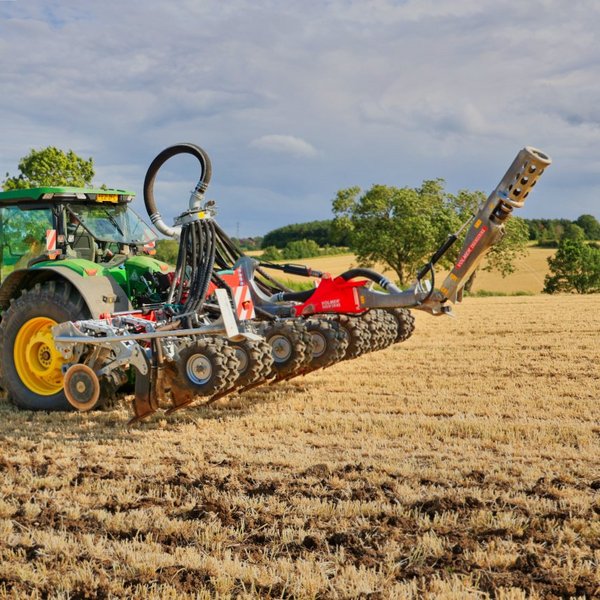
(392, 93)
(285, 144)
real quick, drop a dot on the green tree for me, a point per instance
(301, 249)
(402, 227)
(318, 231)
(590, 225)
(51, 167)
(397, 227)
(167, 251)
(271, 254)
(573, 232)
(574, 267)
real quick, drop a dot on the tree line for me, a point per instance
(544, 232)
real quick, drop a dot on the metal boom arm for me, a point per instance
(487, 227)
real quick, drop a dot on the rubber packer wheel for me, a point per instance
(207, 366)
(405, 323)
(291, 346)
(359, 336)
(255, 361)
(30, 365)
(329, 342)
(390, 329)
(381, 336)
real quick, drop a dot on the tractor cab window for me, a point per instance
(112, 223)
(23, 236)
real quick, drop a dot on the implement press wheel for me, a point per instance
(291, 346)
(207, 366)
(255, 361)
(329, 342)
(82, 387)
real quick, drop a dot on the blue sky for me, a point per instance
(294, 100)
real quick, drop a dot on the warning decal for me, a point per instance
(469, 250)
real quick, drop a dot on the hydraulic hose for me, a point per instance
(301, 296)
(228, 254)
(374, 276)
(195, 263)
(157, 163)
(197, 236)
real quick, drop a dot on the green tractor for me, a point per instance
(67, 254)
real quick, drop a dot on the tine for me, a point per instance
(177, 407)
(220, 395)
(239, 390)
(254, 385)
(145, 401)
(180, 397)
(299, 373)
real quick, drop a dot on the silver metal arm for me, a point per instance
(487, 228)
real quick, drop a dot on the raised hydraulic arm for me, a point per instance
(487, 226)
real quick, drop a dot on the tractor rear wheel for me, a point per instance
(30, 364)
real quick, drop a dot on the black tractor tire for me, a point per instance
(57, 301)
(329, 342)
(291, 346)
(359, 336)
(207, 366)
(405, 323)
(255, 361)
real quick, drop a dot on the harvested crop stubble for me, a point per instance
(461, 463)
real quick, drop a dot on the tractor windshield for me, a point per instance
(112, 223)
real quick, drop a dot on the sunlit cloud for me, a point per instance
(296, 100)
(287, 144)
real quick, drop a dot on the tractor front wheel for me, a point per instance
(31, 366)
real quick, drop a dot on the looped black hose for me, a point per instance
(160, 160)
(374, 276)
(197, 243)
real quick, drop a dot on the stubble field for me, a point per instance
(461, 463)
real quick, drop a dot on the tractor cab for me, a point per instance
(54, 223)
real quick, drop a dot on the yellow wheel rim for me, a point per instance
(37, 360)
